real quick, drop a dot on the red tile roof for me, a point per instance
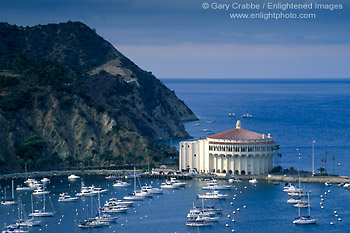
(238, 134)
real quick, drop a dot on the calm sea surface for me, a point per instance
(267, 209)
(294, 112)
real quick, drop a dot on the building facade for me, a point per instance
(236, 151)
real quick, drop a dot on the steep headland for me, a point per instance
(68, 96)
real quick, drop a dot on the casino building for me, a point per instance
(236, 151)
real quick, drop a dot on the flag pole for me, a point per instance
(313, 157)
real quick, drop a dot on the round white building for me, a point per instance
(236, 151)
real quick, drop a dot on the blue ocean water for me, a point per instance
(295, 112)
(266, 208)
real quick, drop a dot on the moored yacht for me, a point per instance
(253, 181)
(168, 185)
(93, 223)
(40, 191)
(212, 195)
(150, 189)
(73, 177)
(65, 197)
(177, 183)
(120, 183)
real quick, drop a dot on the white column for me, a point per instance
(215, 163)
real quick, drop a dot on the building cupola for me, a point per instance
(238, 124)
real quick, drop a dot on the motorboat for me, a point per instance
(215, 186)
(297, 194)
(85, 192)
(93, 223)
(40, 191)
(33, 183)
(111, 177)
(176, 182)
(104, 217)
(234, 180)
(291, 189)
(231, 114)
(150, 189)
(65, 197)
(73, 177)
(97, 190)
(253, 181)
(133, 198)
(121, 183)
(346, 185)
(198, 222)
(24, 188)
(327, 183)
(114, 209)
(247, 115)
(296, 201)
(114, 201)
(45, 180)
(168, 185)
(212, 195)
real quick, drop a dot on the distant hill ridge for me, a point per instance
(68, 96)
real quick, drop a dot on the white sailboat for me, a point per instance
(302, 220)
(9, 202)
(96, 222)
(137, 195)
(23, 221)
(42, 212)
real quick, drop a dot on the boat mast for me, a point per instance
(44, 202)
(31, 200)
(13, 195)
(308, 202)
(134, 180)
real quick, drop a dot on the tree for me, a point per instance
(139, 159)
(321, 170)
(119, 159)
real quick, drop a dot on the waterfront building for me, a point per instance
(236, 151)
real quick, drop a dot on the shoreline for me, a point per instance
(288, 178)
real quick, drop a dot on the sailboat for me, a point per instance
(9, 202)
(305, 219)
(42, 212)
(23, 221)
(137, 195)
(94, 222)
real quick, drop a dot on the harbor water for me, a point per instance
(266, 209)
(295, 112)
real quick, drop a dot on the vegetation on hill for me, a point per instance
(69, 98)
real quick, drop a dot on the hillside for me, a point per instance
(67, 96)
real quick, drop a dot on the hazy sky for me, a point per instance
(180, 39)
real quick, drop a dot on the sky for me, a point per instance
(181, 39)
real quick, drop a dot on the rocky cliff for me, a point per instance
(68, 95)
